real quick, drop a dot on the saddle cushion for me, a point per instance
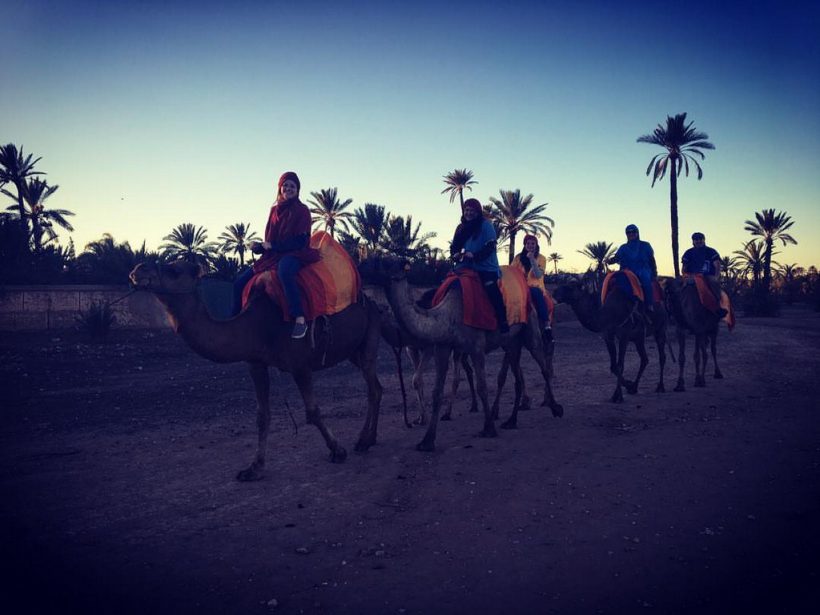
(478, 311)
(625, 281)
(327, 286)
(709, 301)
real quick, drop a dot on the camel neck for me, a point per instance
(432, 326)
(587, 310)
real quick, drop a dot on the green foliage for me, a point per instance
(235, 238)
(600, 252)
(369, 222)
(106, 262)
(96, 321)
(402, 240)
(513, 214)
(681, 141)
(328, 210)
(457, 181)
(189, 243)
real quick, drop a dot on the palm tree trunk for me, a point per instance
(673, 210)
(461, 198)
(767, 265)
(241, 255)
(512, 248)
(555, 267)
(21, 208)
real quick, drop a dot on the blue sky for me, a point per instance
(158, 113)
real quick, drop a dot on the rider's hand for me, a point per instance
(468, 256)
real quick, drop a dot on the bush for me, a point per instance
(96, 321)
(758, 302)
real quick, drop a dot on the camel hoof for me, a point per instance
(617, 398)
(557, 410)
(364, 444)
(426, 447)
(489, 431)
(660, 388)
(338, 455)
(509, 424)
(446, 417)
(718, 376)
(249, 474)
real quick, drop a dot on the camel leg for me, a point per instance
(304, 380)
(700, 360)
(640, 345)
(543, 358)
(713, 342)
(448, 413)
(502, 380)
(366, 361)
(680, 386)
(660, 340)
(468, 371)
(478, 359)
(442, 357)
(261, 385)
(419, 360)
(514, 356)
(618, 395)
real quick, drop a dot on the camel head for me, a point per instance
(568, 292)
(176, 278)
(383, 270)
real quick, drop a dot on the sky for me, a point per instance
(152, 114)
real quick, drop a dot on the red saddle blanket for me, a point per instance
(710, 302)
(327, 286)
(634, 284)
(478, 311)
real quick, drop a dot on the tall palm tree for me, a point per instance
(402, 240)
(328, 209)
(456, 181)
(771, 226)
(16, 168)
(190, 243)
(553, 258)
(681, 141)
(369, 222)
(752, 257)
(42, 220)
(513, 214)
(235, 238)
(600, 252)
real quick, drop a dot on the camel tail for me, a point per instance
(397, 351)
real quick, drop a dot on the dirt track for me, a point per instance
(118, 490)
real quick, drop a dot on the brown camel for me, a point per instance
(690, 315)
(260, 337)
(442, 327)
(619, 319)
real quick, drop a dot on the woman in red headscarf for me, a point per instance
(287, 246)
(532, 263)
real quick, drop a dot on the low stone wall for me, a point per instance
(57, 307)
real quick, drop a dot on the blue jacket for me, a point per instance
(475, 245)
(637, 256)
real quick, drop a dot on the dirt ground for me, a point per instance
(117, 467)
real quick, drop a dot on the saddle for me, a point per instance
(478, 311)
(627, 282)
(327, 286)
(708, 299)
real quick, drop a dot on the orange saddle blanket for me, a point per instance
(327, 286)
(710, 302)
(634, 284)
(478, 311)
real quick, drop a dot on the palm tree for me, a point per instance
(456, 181)
(752, 257)
(328, 209)
(189, 243)
(600, 252)
(771, 226)
(235, 238)
(553, 258)
(369, 223)
(42, 220)
(106, 262)
(681, 141)
(402, 240)
(513, 214)
(15, 168)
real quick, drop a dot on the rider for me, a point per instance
(473, 247)
(700, 258)
(532, 263)
(639, 258)
(286, 247)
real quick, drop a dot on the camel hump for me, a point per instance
(624, 280)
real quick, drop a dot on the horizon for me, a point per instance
(148, 117)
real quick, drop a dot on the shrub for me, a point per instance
(758, 302)
(97, 320)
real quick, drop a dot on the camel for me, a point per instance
(442, 328)
(260, 336)
(690, 315)
(618, 319)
